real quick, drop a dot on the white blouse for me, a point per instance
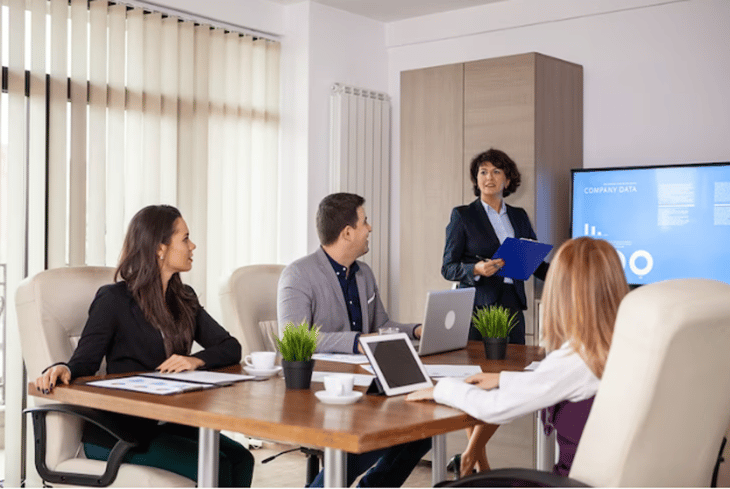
(562, 375)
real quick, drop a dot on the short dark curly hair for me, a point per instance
(500, 160)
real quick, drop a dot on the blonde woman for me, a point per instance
(584, 287)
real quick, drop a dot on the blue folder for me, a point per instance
(521, 257)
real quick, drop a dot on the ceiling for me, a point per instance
(392, 10)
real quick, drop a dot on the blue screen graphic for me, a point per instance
(665, 222)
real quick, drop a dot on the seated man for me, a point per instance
(331, 289)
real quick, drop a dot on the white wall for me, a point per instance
(344, 48)
(294, 142)
(656, 73)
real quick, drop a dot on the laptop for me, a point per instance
(446, 321)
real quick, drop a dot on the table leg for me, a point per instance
(335, 468)
(544, 446)
(438, 462)
(208, 455)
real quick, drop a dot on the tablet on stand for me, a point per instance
(397, 367)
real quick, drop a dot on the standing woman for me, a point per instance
(476, 231)
(473, 235)
(148, 321)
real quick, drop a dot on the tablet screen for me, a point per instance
(395, 363)
(398, 365)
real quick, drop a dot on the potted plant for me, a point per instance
(297, 346)
(494, 323)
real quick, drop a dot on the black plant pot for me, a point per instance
(495, 348)
(298, 375)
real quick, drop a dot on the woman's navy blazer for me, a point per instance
(470, 234)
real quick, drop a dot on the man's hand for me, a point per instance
(180, 363)
(484, 380)
(359, 345)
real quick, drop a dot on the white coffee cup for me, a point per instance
(260, 360)
(389, 330)
(339, 384)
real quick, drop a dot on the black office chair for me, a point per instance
(720, 460)
(663, 407)
(314, 457)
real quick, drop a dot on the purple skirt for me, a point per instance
(568, 419)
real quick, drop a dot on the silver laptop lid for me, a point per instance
(446, 321)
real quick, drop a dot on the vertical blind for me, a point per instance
(127, 108)
(112, 108)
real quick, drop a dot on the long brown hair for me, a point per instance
(583, 289)
(174, 314)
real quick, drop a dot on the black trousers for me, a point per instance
(507, 298)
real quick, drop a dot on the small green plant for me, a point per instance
(298, 343)
(494, 321)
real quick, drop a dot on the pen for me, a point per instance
(485, 259)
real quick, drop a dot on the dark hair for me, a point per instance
(174, 314)
(500, 160)
(335, 213)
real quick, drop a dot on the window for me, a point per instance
(142, 108)
(120, 108)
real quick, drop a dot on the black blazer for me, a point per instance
(116, 329)
(468, 234)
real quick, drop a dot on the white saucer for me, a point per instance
(348, 399)
(268, 372)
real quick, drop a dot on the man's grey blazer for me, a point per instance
(309, 290)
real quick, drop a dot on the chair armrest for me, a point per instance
(513, 478)
(102, 419)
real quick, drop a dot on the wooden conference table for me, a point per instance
(266, 409)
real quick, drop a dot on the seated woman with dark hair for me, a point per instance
(584, 287)
(148, 321)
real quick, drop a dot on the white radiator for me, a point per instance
(360, 164)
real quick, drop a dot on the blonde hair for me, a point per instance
(584, 287)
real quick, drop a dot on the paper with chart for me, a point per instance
(150, 385)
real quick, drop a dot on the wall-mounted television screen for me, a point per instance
(665, 221)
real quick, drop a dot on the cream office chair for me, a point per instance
(52, 309)
(248, 300)
(664, 403)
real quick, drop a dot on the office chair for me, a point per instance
(52, 310)
(663, 406)
(248, 300)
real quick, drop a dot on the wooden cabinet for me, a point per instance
(528, 105)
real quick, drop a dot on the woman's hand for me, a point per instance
(487, 268)
(484, 380)
(180, 363)
(50, 378)
(422, 395)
